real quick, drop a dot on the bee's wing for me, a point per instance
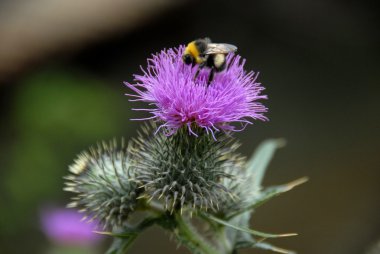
(219, 48)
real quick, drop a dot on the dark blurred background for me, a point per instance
(62, 64)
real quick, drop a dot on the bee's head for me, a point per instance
(188, 59)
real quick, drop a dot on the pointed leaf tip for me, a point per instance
(295, 183)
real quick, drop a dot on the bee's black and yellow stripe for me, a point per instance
(193, 50)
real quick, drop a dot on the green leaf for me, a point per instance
(237, 222)
(259, 161)
(268, 194)
(245, 229)
(275, 191)
(256, 168)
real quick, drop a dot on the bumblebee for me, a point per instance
(207, 54)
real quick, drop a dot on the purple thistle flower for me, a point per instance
(66, 227)
(180, 100)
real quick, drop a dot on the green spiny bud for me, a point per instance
(184, 170)
(102, 181)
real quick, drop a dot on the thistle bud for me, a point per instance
(183, 170)
(103, 183)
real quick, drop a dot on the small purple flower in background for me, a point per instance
(180, 100)
(65, 227)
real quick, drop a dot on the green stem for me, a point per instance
(188, 236)
(121, 245)
(222, 238)
(127, 244)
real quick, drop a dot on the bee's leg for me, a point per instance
(197, 73)
(200, 66)
(211, 76)
(231, 61)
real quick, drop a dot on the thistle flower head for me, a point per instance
(182, 170)
(65, 227)
(180, 99)
(103, 184)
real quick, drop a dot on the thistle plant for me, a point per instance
(183, 166)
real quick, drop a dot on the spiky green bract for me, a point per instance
(184, 170)
(247, 186)
(102, 181)
(246, 193)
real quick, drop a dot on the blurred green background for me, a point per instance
(61, 70)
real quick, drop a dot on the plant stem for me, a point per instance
(189, 237)
(222, 238)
